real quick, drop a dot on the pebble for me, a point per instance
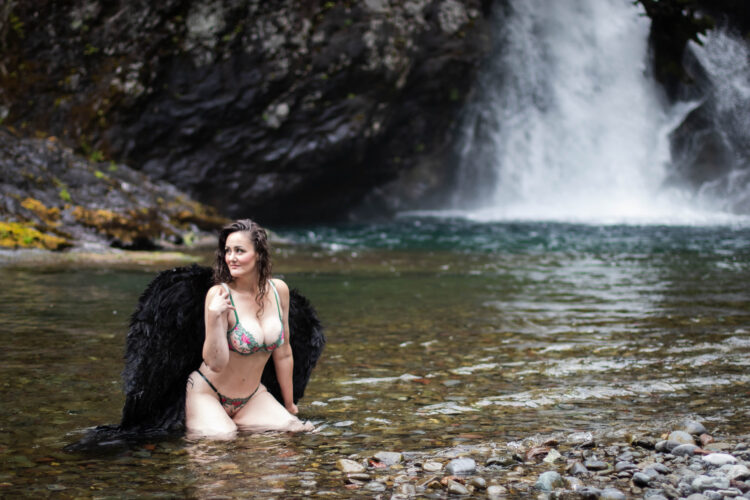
(552, 457)
(734, 472)
(595, 464)
(697, 496)
(432, 466)
(407, 490)
(719, 459)
(496, 491)
(660, 468)
(641, 479)
(623, 466)
(703, 483)
(375, 486)
(684, 450)
(388, 457)
(461, 466)
(549, 480)
(457, 488)
(578, 469)
(611, 494)
(718, 447)
(478, 483)
(693, 427)
(349, 466)
(681, 437)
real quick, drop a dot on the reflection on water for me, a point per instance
(441, 334)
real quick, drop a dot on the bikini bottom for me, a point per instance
(231, 405)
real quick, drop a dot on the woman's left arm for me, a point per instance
(282, 357)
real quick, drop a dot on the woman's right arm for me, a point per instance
(215, 347)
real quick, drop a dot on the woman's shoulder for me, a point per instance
(215, 289)
(280, 286)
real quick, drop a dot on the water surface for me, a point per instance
(442, 333)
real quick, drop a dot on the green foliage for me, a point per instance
(90, 50)
(99, 174)
(16, 25)
(112, 166)
(65, 195)
(96, 156)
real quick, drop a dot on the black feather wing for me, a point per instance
(163, 347)
(308, 340)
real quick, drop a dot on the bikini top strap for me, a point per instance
(236, 317)
(278, 301)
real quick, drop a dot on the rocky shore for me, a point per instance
(54, 199)
(684, 463)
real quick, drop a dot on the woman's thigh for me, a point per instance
(264, 413)
(204, 415)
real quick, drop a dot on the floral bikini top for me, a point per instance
(242, 341)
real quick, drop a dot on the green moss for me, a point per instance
(65, 195)
(18, 235)
(90, 50)
(96, 156)
(17, 25)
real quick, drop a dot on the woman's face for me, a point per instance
(239, 254)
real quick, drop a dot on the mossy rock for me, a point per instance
(17, 235)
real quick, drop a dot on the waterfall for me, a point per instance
(567, 123)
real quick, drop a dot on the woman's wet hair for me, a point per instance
(259, 238)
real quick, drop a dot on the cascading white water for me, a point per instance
(568, 124)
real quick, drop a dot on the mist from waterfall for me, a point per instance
(568, 125)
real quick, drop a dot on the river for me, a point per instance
(442, 333)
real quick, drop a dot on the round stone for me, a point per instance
(388, 457)
(375, 486)
(641, 479)
(432, 466)
(349, 466)
(684, 450)
(693, 427)
(611, 494)
(478, 483)
(461, 466)
(549, 480)
(719, 459)
(496, 491)
(703, 483)
(681, 437)
(457, 488)
(595, 464)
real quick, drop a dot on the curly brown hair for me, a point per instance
(259, 238)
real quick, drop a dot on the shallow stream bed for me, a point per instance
(442, 335)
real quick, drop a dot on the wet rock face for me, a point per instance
(280, 110)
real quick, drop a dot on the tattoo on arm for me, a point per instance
(190, 381)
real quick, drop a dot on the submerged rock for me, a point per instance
(461, 466)
(549, 481)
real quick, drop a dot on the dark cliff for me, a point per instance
(281, 110)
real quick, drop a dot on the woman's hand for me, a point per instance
(292, 408)
(220, 302)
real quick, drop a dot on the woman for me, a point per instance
(246, 315)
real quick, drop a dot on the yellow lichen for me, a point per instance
(17, 235)
(48, 215)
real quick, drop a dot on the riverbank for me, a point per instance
(105, 257)
(686, 462)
